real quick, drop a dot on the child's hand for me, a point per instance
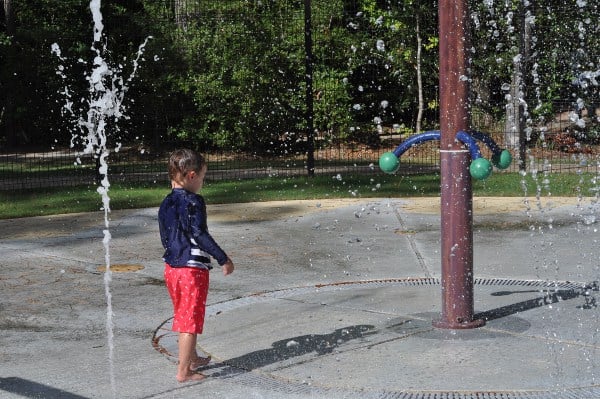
(228, 267)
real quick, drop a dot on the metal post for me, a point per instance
(456, 190)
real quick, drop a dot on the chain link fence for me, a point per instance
(137, 164)
(317, 145)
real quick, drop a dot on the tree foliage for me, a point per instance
(564, 41)
(231, 74)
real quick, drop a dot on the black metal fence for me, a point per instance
(550, 147)
(24, 170)
(134, 165)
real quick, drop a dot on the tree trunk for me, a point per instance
(308, 73)
(419, 79)
(516, 109)
(10, 17)
(181, 14)
(8, 111)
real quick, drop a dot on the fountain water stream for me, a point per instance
(103, 108)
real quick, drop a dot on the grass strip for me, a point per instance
(51, 201)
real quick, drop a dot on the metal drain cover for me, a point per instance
(375, 339)
(121, 268)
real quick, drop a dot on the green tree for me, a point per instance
(241, 73)
(392, 70)
(563, 44)
(38, 77)
(27, 70)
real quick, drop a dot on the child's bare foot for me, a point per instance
(199, 362)
(191, 377)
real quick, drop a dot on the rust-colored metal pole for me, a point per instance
(456, 190)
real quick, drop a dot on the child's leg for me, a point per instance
(188, 289)
(187, 352)
(197, 308)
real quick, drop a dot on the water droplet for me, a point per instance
(589, 219)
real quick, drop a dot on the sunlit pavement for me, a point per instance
(330, 299)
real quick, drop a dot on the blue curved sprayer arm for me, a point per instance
(470, 143)
(417, 139)
(480, 167)
(488, 141)
(466, 138)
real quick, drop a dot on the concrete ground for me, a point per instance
(330, 299)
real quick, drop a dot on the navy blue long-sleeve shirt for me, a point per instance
(184, 231)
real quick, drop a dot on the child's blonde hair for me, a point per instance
(183, 161)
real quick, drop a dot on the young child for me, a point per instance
(188, 248)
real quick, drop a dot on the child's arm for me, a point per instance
(199, 232)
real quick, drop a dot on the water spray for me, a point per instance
(107, 89)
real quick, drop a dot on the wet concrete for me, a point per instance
(329, 299)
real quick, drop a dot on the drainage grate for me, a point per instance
(224, 306)
(273, 384)
(164, 341)
(548, 285)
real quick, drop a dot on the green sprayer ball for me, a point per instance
(480, 168)
(502, 160)
(389, 162)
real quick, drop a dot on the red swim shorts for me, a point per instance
(188, 288)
